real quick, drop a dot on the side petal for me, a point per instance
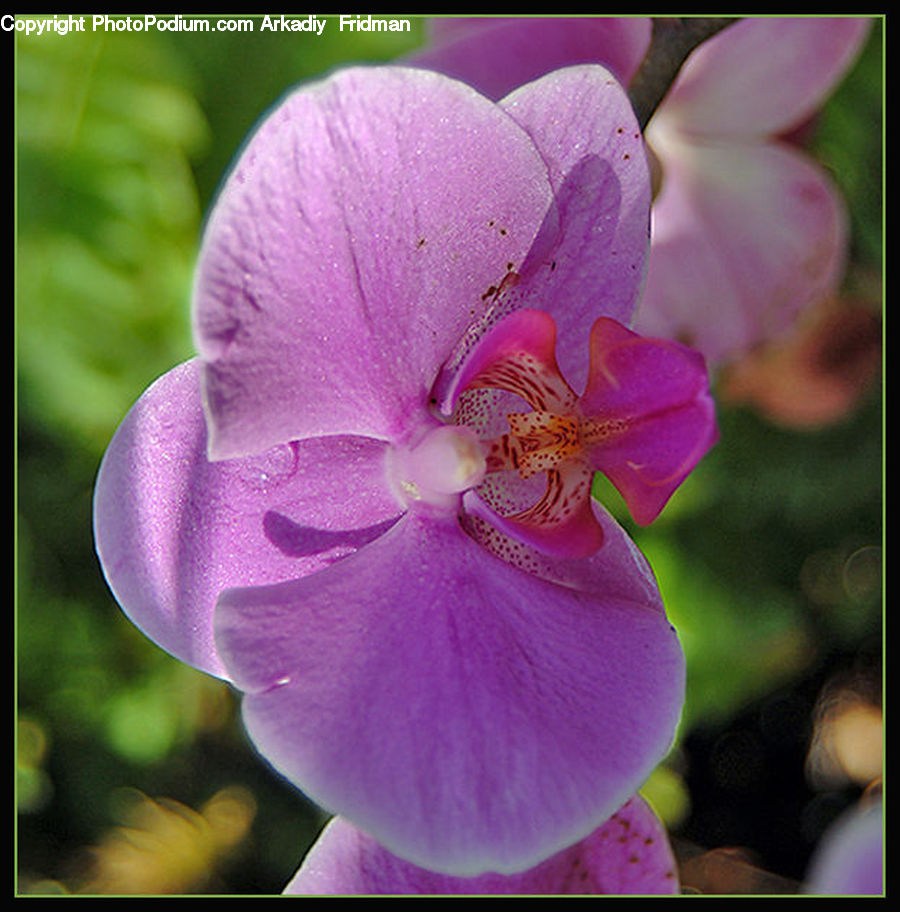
(629, 854)
(517, 355)
(762, 76)
(471, 717)
(172, 529)
(744, 238)
(497, 55)
(350, 248)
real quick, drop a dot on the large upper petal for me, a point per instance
(586, 130)
(173, 529)
(496, 55)
(762, 76)
(589, 258)
(744, 237)
(629, 854)
(470, 716)
(349, 249)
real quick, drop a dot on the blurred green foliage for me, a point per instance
(122, 139)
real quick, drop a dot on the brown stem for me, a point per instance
(671, 42)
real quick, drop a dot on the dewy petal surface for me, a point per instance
(762, 76)
(763, 231)
(496, 55)
(468, 715)
(350, 248)
(172, 529)
(629, 854)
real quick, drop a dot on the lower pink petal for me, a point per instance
(470, 716)
(560, 523)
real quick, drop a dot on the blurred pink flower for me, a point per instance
(747, 231)
(849, 860)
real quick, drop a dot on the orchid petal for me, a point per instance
(172, 529)
(850, 858)
(590, 253)
(762, 76)
(561, 522)
(618, 569)
(471, 717)
(496, 55)
(517, 355)
(648, 417)
(629, 854)
(744, 237)
(349, 250)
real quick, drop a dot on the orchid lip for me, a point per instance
(645, 419)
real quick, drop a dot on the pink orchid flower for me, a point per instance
(367, 503)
